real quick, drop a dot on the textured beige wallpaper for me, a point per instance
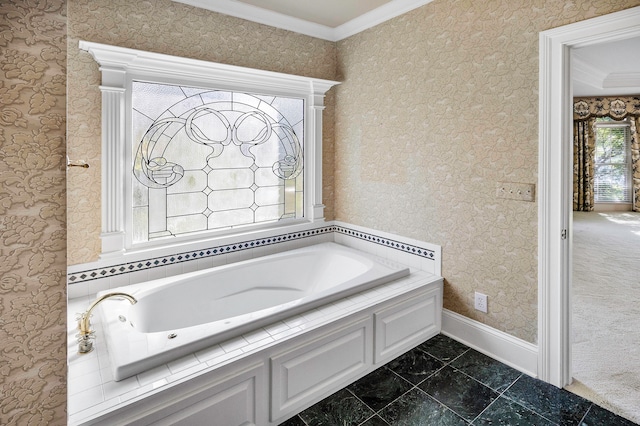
(32, 213)
(176, 29)
(436, 107)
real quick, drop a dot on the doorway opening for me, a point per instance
(555, 183)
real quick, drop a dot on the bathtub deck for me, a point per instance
(93, 392)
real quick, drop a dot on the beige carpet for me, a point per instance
(606, 310)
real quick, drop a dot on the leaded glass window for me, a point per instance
(213, 159)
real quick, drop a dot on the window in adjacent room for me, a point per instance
(612, 182)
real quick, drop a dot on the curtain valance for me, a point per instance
(617, 108)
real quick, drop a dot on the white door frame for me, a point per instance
(555, 182)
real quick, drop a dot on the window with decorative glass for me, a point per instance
(194, 150)
(213, 159)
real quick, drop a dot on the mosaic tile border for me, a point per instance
(407, 248)
(125, 268)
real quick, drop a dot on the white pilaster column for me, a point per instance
(315, 149)
(113, 144)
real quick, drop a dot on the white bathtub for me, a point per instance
(180, 315)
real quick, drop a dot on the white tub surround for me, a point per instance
(268, 374)
(265, 376)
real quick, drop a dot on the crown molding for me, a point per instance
(622, 79)
(263, 16)
(592, 81)
(586, 73)
(377, 16)
(267, 17)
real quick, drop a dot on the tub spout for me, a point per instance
(85, 343)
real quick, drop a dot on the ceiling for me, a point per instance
(331, 13)
(607, 69)
(331, 20)
(604, 69)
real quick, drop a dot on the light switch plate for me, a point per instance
(516, 191)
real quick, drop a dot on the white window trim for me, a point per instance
(120, 66)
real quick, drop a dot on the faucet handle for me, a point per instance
(85, 342)
(84, 322)
(85, 336)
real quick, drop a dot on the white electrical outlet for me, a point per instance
(481, 302)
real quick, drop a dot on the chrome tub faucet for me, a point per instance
(85, 343)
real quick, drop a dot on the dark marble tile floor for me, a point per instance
(443, 382)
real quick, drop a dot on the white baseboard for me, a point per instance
(499, 345)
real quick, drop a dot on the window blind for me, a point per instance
(612, 174)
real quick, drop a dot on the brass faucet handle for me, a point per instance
(85, 336)
(85, 343)
(84, 323)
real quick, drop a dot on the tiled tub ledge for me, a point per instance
(88, 279)
(261, 373)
